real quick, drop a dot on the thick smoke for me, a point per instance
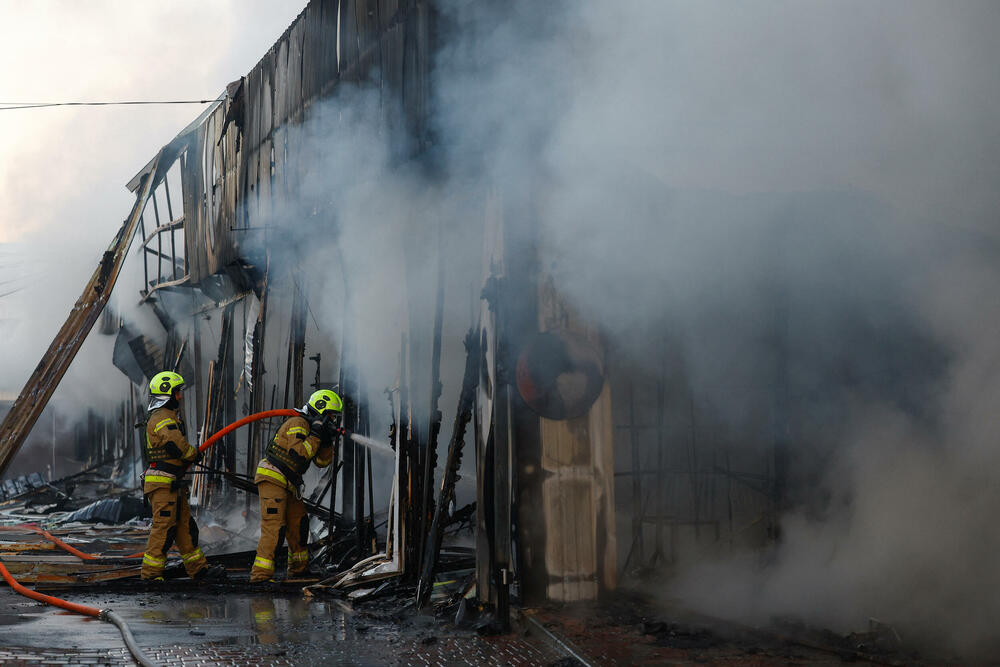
(359, 226)
(818, 178)
(814, 183)
(811, 182)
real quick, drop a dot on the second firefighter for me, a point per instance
(301, 440)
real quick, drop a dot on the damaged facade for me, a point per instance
(582, 465)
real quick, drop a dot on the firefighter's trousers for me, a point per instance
(172, 524)
(282, 517)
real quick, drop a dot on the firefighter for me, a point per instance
(300, 440)
(169, 454)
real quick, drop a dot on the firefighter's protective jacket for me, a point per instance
(168, 450)
(289, 454)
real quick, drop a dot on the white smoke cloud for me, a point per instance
(699, 161)
(688, 167)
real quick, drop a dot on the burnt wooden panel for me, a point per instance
(251, 176)
(349, 40)
(193, 186)
(265, 116)
(283, 103)
(327, 20)
(364, 17)
(292, 93)
(312, 47)
(417, 57)
(227, 167)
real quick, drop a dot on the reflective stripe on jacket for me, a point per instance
(294, 447)
(288, 456)
(168, 450)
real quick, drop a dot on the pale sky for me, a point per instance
(57, 161)
(63, 170)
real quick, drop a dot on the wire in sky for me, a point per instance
(12, 106)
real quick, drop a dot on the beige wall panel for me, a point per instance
(578, 494)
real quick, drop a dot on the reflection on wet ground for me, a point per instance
(265, 628)
(249, 628)
(188, 617)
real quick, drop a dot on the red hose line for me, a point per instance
(63, 545)
(246, 420)
(51, 538)
(105, 615)
(66, 547)
(48, 599)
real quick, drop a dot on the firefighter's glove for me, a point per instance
(333, 431)
(197, 459)
(317, 427)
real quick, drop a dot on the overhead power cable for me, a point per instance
(12, 106)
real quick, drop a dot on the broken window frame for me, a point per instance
(154, 247)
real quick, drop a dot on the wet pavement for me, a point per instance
(248, 629)
(232, 627)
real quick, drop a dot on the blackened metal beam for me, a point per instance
(463, 415)
(300, 310)
(434, 419)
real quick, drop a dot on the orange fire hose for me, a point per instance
(103, 614)
(62, 545)
(48, 599)
(51, 538)
(246, 420)
(59, 543)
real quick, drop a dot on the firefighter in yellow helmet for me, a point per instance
(301, 440)
(169, 454)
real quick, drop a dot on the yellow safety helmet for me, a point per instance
(165, 384)
(325, 400)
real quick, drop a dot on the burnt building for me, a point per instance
(306, 231)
